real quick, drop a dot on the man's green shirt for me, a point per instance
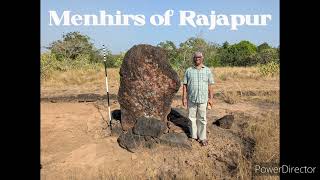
(197, 81)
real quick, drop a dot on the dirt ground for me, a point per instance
(76, 142)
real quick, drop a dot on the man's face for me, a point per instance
(197, 60)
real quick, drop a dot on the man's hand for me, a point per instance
(184, 102)
(184, 96)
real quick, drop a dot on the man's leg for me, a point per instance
(198, 120)
(202, 121)
(192, 112)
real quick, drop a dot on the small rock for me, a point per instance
(176, 139)
(225, 122)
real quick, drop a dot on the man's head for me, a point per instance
(197, 58)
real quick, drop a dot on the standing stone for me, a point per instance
(147, 85)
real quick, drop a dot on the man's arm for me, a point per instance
(184, 95)
(210, 87)
(185, 89)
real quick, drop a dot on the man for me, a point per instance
(197, 94)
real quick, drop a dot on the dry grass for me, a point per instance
(80, 81)
(266, 132)
(91, 80)
(230, 97)
(81, 77)
(230, 73)
(84, 76)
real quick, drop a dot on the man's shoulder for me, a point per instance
(188, 69)
(207, 68)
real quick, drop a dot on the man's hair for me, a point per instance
(198, 54)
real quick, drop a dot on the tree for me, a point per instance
(171, 51)
(263, 46)
(240, 54)
(225, 45)
(192, 45)
(72, 45)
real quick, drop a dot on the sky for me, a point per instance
(121, 38)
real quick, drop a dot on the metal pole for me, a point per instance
(105, 68)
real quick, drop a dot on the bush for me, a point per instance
(48, 63)
(115, 61)
(270, 69)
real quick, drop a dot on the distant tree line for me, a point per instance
(75, 48)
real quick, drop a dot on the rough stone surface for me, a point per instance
(173, 128)
(183, 123)
(149, 127)
(150, 142)
(147, 85)
(176, 140)
(179, 120)
(116, 128)
(130, 141)
(177, 113)
(225, 122)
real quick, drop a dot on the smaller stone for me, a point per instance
(175, 140)
(225, 122)
(130, 141)
(116, 128)
(149, 127)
